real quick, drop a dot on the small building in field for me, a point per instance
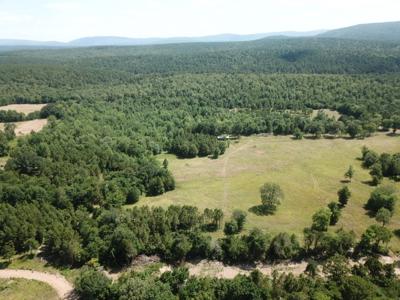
(227, 137)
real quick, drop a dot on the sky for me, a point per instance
(65, 20)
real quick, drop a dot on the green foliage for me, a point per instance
(383, 216)
(349, 173)
(284, 246)
(336, 268)
(321, 220)
(271, 196)
(382, 197)
(335, 213)
(355, 288)
(374, 240)
(385, 165)
(236, 224)
(92, 284)
(344, 195)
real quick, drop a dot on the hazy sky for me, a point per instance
(64, 20)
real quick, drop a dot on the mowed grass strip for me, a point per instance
(309, 172)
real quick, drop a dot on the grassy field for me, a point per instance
(21, 289)
(309, 171)
(26, 127)
(23, 108)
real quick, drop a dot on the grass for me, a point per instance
(29, 262)
(23, 108)
(309, 172)
(26, 127)
(22, 289)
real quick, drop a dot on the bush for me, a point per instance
(284, 246)
(382, 197)
(92, 285)
(133, 196)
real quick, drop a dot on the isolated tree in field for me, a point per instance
(383, 216)
(165, 163)
(344, 195)
(271, 196)
(349, 173)
(321, 220)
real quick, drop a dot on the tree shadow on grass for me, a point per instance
(368, 182)
(392, 134)
(397, 232)
(261, 210)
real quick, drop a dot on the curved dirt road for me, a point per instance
(58, 282)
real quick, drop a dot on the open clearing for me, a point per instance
(309, 171)
(23, 289)
(26, 127)
(60, 285)
(23, 108)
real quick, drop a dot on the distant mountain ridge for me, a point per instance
(389, 31)
(124, 41)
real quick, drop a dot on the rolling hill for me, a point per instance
(389, 31)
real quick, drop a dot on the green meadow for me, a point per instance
(309, 171)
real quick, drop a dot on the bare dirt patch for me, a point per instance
(23, 108)
(26, 127)
(330, 113)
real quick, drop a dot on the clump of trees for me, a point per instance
(383, 165)
(236, 224)
(382, 197)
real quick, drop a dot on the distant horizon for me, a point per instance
(173, 37)
(68, 20)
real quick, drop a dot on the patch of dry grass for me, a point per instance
(26, 127)
(23, 108)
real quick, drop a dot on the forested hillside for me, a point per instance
(111, 109)
(269, 55)
(389, 32)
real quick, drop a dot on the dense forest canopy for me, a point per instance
(111, 109)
